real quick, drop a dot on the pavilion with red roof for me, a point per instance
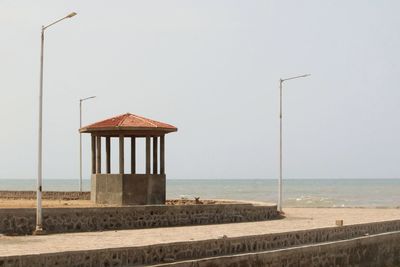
(132, 188)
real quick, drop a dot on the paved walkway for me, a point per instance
(297, 219)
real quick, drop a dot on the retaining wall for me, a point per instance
(382, 247)
(382, 250)
(52, 195)
(61, 220)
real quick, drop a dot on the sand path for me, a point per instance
(297, 219)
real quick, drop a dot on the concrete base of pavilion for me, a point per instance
(128, 189)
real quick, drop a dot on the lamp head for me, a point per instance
(86, 98)
(71, 15)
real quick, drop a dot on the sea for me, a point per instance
(382, 193)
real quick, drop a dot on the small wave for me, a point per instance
(311, 201)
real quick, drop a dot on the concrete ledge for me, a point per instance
(62, 220)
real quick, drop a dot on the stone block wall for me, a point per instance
(382, 250)
(60, 220)
(51, 195)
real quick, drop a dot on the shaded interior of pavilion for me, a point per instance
(129, 150)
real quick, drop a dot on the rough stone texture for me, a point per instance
(283, 249)
(381, 250)
(52, 195)
(128, 189)
(58, 220)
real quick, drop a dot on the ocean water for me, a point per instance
(297, 192)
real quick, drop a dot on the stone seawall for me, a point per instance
(315, 247)
(51, 195)
(61, 220)
(382, 250)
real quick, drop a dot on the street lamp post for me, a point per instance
(280, 137)
(80, 140)
(39, 226)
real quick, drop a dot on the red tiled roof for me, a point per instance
(129, 121)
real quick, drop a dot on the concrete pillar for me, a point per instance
(93, 154)
(155, 155)
(147, 154)
(121, 154)
(108, 155)
(133, 155)
(162, 154)
(98, 155)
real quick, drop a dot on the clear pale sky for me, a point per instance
(212, 69)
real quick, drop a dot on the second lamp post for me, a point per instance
(280, 137)
(80, 140)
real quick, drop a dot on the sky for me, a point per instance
(212, 69)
